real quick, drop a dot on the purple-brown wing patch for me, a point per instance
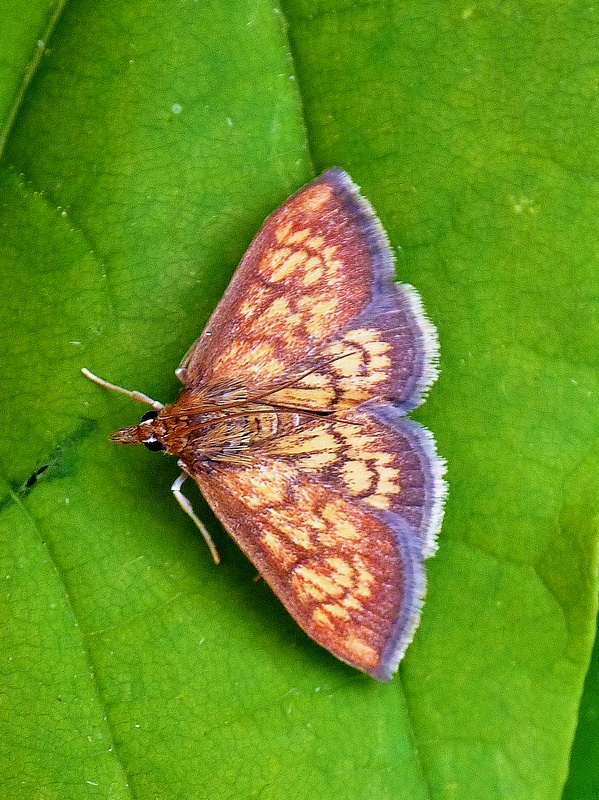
(351, 578)
(313, 316)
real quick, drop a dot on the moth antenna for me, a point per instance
(139, 396)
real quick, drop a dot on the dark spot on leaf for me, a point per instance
(33, 478)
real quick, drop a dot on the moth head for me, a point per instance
(144, 433)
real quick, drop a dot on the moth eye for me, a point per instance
(154, 444)
(151, 444)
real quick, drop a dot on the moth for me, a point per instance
(292, 421)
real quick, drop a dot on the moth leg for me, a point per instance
(186, 506)
(181, 371)
(139, 396)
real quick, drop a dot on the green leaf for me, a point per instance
(145, 151)
(583, 781)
